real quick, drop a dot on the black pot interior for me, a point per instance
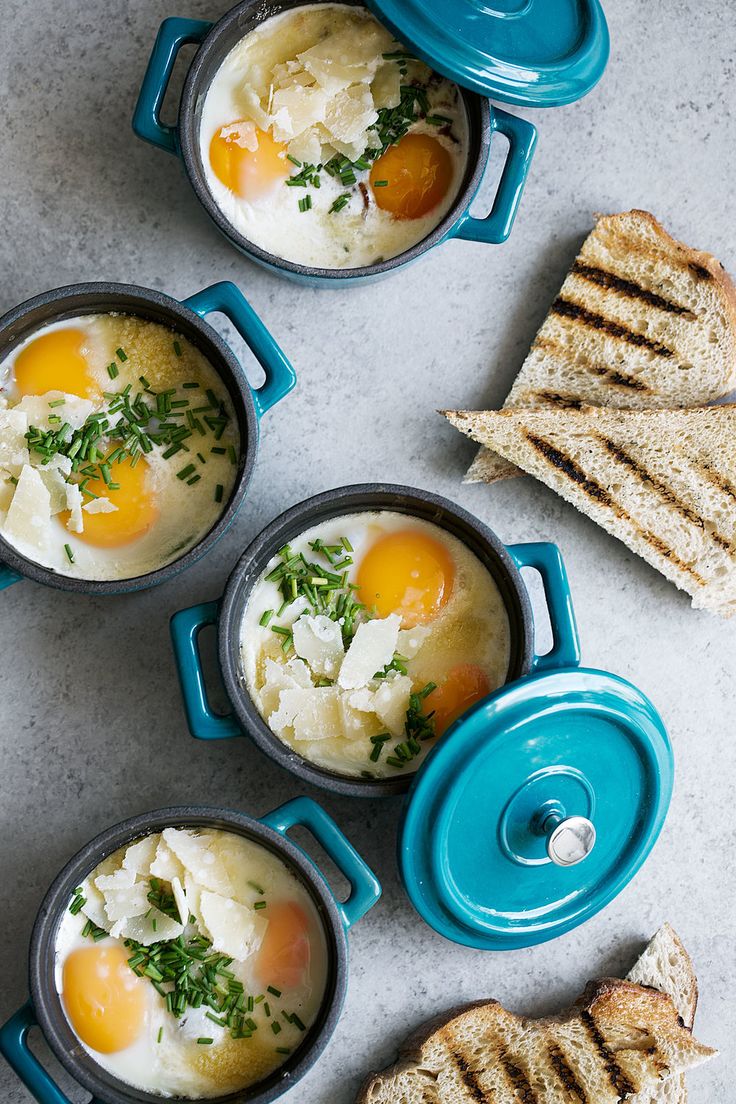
(47, 1002)
(153, 306)
(226, 34)
(350, 500)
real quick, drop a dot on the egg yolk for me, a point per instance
(55, 362)
(136, 509)
(464, 686)
(408, 573)
(284, 954)
(418, 175)
(251, 174)
(104, 999)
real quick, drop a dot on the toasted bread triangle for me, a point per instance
(665, 964)
(662, 481)
(618, 1040)
(641, 321)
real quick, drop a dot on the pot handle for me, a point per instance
(8, 577)
(496, 227)
(546, 558)
(365, 889)
(203, 722)
(14, 1048)
(172, 35)
(228, 299)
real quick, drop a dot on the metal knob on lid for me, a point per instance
(570, 840)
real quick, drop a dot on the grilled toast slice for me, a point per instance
(666, 965)
(617, 1041)
(641, 321)
(662, 481)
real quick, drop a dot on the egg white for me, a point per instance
(173, 1066)
(185, 513)
(357, 235)
(473, 627)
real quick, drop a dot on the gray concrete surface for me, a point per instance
(91, 723)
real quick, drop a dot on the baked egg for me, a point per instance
(326, 143)
(118, 446)
(191, 963)
(367, 636)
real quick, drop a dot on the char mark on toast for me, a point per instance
(470, 1078)
(567, 402)
(623, 457)
(567, 309)
(519, 1080)
(717, 480)
(599, 494)
(700, 271)
(606, 279)
(663, 1070)
(566, 1074)
(618, 379)
(616, 1075)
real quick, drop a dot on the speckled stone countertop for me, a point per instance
(91, 723)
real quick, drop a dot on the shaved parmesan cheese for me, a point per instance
(55, 484)
(235, 929)
(74, 502)
(94, 905)
(99, 506)
(166, 865)
(386, 87)
(313, 713)
(357, 724)
(411, 640)
(363, 700)
(37, 409)
(29, 513)
(139, 856)
(242, 133)
(182, 905)
(154, 927)
(350, 55)
(350, 114)
(391, 701)
(250, 103)
(307, 146)
(283, 676)
(296, 109)
(13, 450)
(193, 894)
(194, 852)
(122, 878)
(318, 640)
(127, 902)
(373, 646)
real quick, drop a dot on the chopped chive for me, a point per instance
(69, 553)
(265, 618)
(112, 370)
(218, 451)
(160, 1035)
(177, 350)
(275, 1027)
(219, 491)
(293, 160)
(380, 183)
(271, 989)
(57, 402)
(121, 355)
(297, 1022)
(231, 454)
(202, 1041)
(305, 203)
(186, 472)
(346, 544)
(194, 479)
(262, 905)
(339, 203)
(283, 1050)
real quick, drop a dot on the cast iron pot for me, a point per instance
(216, 40)
(188, 318)
(45, 1008)
(504, 564)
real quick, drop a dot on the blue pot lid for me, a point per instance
(535, 809)
(538, 53)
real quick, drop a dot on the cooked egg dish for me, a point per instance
(366, 637)
(191, 963)
(118, 447)
(326, 143)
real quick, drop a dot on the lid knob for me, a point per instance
(570, 839)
